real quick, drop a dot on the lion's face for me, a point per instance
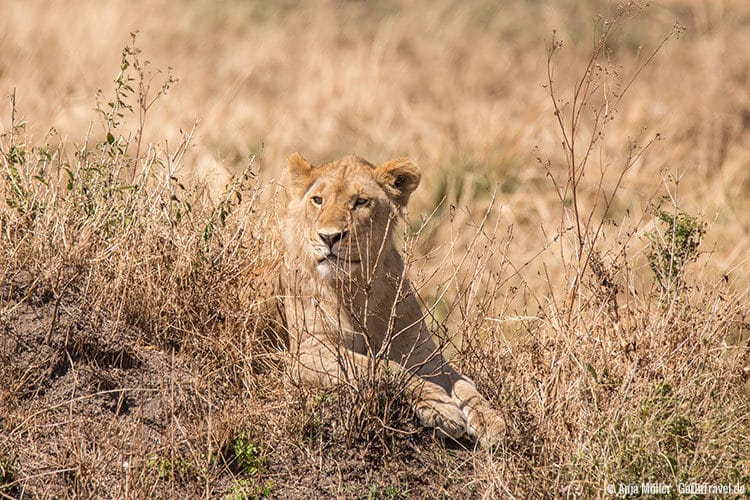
(341, 215)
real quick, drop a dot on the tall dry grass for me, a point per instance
(590, 278)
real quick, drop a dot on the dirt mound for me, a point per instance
(88, 408)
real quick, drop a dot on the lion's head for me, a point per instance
(341, 214)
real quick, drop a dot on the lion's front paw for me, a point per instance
(442, 413)
(485, 425)
(482, 421)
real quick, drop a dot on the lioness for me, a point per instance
(347, 301)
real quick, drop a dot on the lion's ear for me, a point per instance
(300, 173)
(398, 178)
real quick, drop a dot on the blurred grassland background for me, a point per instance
(456, 86)
(133, 356)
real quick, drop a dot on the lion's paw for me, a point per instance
(482, 421)
(485, 425)
(442, 413)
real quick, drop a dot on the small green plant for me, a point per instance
(392, 491)
(133, 83)
(249, 456)
(674, 248)
(12, 161)
(8, 475)
(166, 467)
(680, 430)
(243, 489)
(162, 465)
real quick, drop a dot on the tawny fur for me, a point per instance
(348, 301)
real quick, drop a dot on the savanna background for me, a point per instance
(580, 240)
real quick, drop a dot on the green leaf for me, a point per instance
(592, 372)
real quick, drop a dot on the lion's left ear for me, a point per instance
(398, 178)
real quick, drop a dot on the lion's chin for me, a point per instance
(324, 268)
(331, 265)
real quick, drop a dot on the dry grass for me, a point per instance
(137, 354)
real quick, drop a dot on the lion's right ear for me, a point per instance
(300, 173)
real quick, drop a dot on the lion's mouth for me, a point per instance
(337, 260)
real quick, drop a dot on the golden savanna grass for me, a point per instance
(580, 240)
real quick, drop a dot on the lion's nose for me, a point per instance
(331, 239)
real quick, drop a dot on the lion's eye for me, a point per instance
(317, 200)
(361, 202)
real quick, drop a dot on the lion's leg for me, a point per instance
(483, 422)
(318, 363)
(423, 357)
